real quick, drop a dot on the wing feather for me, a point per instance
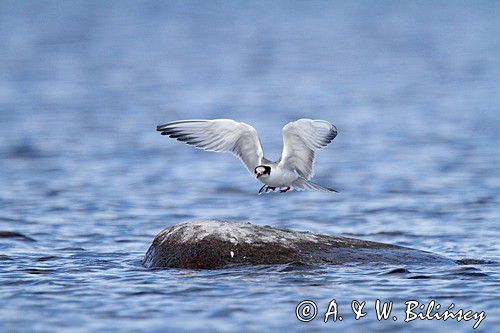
(219, 135)
(301, 139)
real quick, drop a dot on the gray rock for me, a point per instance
(215, 244)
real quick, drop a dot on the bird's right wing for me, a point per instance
(219, 135)
(301, 139)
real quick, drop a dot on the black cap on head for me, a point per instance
(267, 169)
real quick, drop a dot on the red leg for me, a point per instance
(285, 190)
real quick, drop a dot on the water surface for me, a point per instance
(412, 88)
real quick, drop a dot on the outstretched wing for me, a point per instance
(301, 139)
(220, 135)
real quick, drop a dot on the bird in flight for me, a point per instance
(293, 171)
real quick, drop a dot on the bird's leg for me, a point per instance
(266, 188)
(285, 189)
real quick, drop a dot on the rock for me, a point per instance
(215, 244)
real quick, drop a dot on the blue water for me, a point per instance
(413, 89)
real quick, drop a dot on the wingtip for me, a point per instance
(164, 127)
(329, 189)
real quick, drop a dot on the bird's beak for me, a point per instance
(258, 175)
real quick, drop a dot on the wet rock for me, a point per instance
(215, 244)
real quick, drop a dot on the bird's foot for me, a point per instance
(262, 189)
(265, 189)
(285, 189)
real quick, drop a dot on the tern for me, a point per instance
(293, 171)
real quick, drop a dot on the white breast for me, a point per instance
(279, 177)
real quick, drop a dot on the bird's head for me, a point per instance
(262, 170)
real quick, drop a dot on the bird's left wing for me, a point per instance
(301, 138)
(219, 135)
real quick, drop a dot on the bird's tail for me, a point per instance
(303, 184)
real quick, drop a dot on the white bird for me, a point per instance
(301, 139)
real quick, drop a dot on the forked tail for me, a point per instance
(303, 184)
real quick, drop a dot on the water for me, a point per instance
(412, 87)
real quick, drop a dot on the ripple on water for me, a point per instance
(86, 182)
(16, 235)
